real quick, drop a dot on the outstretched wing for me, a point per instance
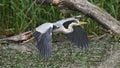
(44, 42)
(78, 37)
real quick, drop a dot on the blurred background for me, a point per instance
(17, 16)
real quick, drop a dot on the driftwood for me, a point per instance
(20, 38)
(101, 16)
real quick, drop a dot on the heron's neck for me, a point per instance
(70, 28)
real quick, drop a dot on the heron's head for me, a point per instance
(64, 26)
(70, 24)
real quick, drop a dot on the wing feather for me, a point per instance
(44, 42)
(78, 37)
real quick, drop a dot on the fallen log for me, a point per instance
(20, 38)
(101, 16)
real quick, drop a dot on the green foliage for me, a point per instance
(116, 38)
(22, 15)
(19, 16)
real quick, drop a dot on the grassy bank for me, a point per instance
(64, 55)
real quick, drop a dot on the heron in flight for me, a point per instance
(71, 27)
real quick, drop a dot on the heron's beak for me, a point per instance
(82, 23)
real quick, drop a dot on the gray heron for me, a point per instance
(71, 27)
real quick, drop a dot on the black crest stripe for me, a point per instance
(67, 23)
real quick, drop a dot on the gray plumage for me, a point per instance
(45, 43)
(78, 37)
(69, 27)
(44, 39)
